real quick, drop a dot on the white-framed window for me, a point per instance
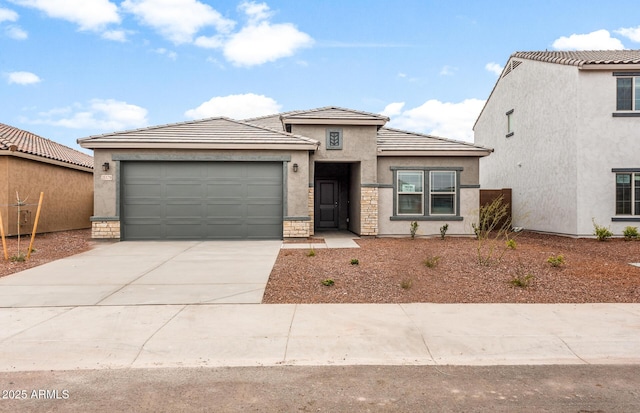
(628, 93)
(628, 193)
(442, 193)
(510, 122)
(410, 193)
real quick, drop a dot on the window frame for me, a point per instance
(402, 193)
(427, 214)
(452, 193)
(633, 100)
(633, 197)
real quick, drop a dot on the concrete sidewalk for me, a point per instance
(142, 336)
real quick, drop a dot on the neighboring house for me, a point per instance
(565, 128)
(29, 165)
(282, 176)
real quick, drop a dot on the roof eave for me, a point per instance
(50, 161)
(610, 66)
(440, 153)
(325, 121)
(306, 146)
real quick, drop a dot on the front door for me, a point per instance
(326, 204)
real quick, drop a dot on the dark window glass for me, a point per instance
(623, 194)
(624, 94)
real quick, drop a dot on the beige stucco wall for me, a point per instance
(68, 195)
(469, 197)
(539, 161)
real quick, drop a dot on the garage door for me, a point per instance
(201, 200)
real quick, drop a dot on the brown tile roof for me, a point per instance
(395, 141)
(585, 57)
(27, 142)
(334, 112)
(223, 131)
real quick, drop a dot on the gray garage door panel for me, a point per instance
(201, 200)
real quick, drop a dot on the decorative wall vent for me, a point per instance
(512, 65)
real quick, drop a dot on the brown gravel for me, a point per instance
(593, 272)
(48, 247)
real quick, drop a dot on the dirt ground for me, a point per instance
(393, 270)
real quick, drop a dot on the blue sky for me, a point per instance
(74, 68)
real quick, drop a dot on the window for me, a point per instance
(442, 192)
(628, 193)
(628, 93)
(410, 194)
(509, 123)
(432, 194)
(334, 138)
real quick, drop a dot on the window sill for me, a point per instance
(426, 218)
(626, 114)
(626, 219)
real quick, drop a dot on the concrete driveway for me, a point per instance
(133, 273)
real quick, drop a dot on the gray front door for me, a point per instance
(326, 204)
(201, 200)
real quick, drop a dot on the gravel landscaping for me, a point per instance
(394, 270)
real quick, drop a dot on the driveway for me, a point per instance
(133, 273)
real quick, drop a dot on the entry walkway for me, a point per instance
(326, 239)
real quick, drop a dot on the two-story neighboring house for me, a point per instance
(282, 176)
(565, 129)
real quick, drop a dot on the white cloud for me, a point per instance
(598, 40)
(493, 68)
(115, 35)
(177, 20)
(102, 114)
(170, 54)
(16, 32)
(209, 42)
(262, 43)
(256, 12)
(633, 33)
(7, 15)
(243, 106)
(444, 119)
(448, 70)
(23, 78)
(88, 14)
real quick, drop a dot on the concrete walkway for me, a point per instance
(142, 336)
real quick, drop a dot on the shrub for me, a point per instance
(413, 229)
(511, 244)
(431, 262)
(556, 261)
(443, 230)
(493, 226)
(406, 284)
(630, 233)
(18, 258)
(520, 281)
(311, 253)
(601, 232)
(328, 282)
(354, 261)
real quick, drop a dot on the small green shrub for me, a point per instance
(406, 284)
(328, 282)
(630, 233)
(18, 258)
(556, 261)
(431, 262)
(413, 229)
(601, 232)
(511, 244)
(355, 261)
(443, 230)
(311, 253)
(520, 281)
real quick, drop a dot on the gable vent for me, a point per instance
(513, 64)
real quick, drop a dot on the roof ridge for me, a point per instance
(377, 115)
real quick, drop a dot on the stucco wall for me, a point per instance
(68, 195)
(539, 161)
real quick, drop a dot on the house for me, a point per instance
(565, 128)
(29, 165)
(282, 176)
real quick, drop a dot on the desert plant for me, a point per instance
(355, 261)
(311, 253)
(601, 232)
(493, 226)
(20, 257)
(328, 282)
(511, 244)
(406, 284)
(521, 281)
(630, 233)
(443, 230)
(431, 262)
(556, 260)
(413, 229)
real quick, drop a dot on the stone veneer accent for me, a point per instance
(311, 210)
(295, 229)
(105, 229)
(368, 211)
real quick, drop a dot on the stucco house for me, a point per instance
(565, 129)
(282, 176)
(29, 165)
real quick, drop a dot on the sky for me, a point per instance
(75, 68)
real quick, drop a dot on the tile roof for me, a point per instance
(334, 112)
(585, 57)
(27, 142)
(391, 141)
(206, 131)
